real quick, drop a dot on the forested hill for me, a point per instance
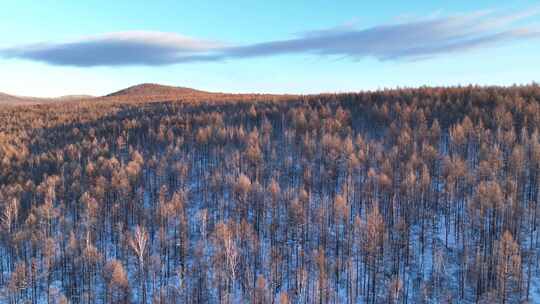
(425, 195)
(155, 89)
(141, 93)
(12, 100)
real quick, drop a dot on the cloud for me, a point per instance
(410, 40)
(122, 48)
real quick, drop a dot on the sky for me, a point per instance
(54, 48)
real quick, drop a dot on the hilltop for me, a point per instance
(153, 89)
(148, 92)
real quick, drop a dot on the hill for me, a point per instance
(152, 89)
(7, 99)
(149, 92)
(146, 92)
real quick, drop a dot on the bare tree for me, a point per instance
(138, 243)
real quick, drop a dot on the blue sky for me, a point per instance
(53, 48)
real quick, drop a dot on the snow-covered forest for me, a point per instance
(425, 195)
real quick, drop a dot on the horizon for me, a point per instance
(385, 89)
(304, 48)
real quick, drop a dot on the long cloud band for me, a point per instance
(408, 40)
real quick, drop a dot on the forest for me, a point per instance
(411, 195)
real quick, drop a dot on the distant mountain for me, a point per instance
(6, 99)
(152, 89)
(13, 100)
(142, 92)
(146, 92)
(74, 97)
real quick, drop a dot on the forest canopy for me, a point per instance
(426, 195)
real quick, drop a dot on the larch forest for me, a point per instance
(425, 195)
